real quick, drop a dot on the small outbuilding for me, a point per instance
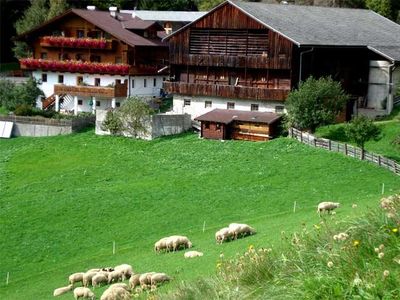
(225, 124)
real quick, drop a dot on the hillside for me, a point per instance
(65, 199)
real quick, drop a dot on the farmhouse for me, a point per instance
(249, 55)
(89, 59)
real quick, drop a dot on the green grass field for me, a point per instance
(65, 199)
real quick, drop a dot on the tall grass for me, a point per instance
(334, 259)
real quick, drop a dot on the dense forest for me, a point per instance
(19, 16)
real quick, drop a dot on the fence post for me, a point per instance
(329, 145)
(379, 160)
(301, 136)
(345, 149)
(315, 142)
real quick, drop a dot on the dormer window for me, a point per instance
(146, 34)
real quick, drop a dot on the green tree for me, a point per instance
(56, 7)
(315, 103)
(360, 130)
(112, 123)
(168, 4)
(12, 95)
(33, 16)
(208, 4)
(134, 114)
(382, 7)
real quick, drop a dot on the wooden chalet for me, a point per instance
(250, 55)
(224, 124)
(89, 59)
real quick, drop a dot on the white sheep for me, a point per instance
(115, 276)
(145, 279)
(62, 290)
(176, 241)
(99, 278)
(327, 206)
(76, 277)
(87, 277)
(161, 244)
(126, 270)
(222, 235)
(236, 230)
(120, 285)
(159, 278)
(83, 292)
(134, 280)
(191, 254)
(116, 293)
(93, 270)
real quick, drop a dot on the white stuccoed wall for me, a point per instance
(138, 89)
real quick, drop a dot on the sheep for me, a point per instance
(99, 278)
(93, 270)
(176, 241)
(327, 206)
(87, 277)
(191, 254)
(159, 278)
(145, 279)
(126, 270)
(134, 280)
(236, 229)
(76, 277)
(83, 292)
(121, 285)
(161, 244)
(107, 269)
(223, 235)
(115, 292)
(62, 290)
(115, 276)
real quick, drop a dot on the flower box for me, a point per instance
(71, 42)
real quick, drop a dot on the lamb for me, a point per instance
(191, 254)
(83, 292)
(223, 235)
(125, 269)
(134, 280)
(327, 206)
(236, 229)
(176, 241)
(145, 279)
(62, 290)
(99, 278)
(76, 277)
(87, 277)
(115, 276)
(159, 278)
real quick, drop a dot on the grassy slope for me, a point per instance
(65, 199)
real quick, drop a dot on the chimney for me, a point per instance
(113, 11)
(91, 7)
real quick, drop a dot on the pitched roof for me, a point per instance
(172, 16)
(114, 26)
(227, 116)
(324, 26)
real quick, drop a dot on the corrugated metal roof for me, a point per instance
(172, 16)
(137, 23)
(227, 116)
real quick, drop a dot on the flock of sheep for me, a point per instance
(122, 291)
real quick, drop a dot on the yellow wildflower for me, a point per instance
(395, 230)
(356, 243)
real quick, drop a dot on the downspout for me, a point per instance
(389, 106)
(301, 61)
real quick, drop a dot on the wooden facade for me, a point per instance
(119, 90)
(229, 49)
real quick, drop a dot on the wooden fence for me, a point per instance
(349, 150)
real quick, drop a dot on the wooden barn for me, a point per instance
(250, 55)
(225, 124)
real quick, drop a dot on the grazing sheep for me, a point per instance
(177, 241)
(223, 235)
(161, 244)
(134, 281)
(76, 277)
(145, 279)
(83, 292)
(327, 206)
(93, 270)
(99, 278)
(87, 277)
(116, 293)
(115, 276)
(236, 230)
(126, 270)
(191, 254)
(159, 278)
(62, 290)
(120, 285)
(107, 269)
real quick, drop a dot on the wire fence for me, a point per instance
(346, 149)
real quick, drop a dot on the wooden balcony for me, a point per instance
(119, 90)
(226, 91)
(146, 70)
(71, 42)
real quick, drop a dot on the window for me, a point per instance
(186, 102)
(145, 82)
(155, 82)
(43, 55)
(118, 60)
(97, 103)
(80, 33)
(60, 78)
(80, 102)
(206, 125)
(63, 56)
(79, 80)
(218, 126)
(44, 77)
(230, 105)
(79, 56)
(117, 81)
(207, 104)
(97, 82)
(95, 34)
(254, 107)
(95, 58)
(117, 104)
(279, 109)
(133, 84)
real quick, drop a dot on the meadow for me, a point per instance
(64, 201)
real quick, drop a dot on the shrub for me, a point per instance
(23, 110)
(134, 114)
(12, 95)
(112, 123)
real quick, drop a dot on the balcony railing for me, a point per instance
(226, 91)
(71, 42)
(74, 66)
(119, 90)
